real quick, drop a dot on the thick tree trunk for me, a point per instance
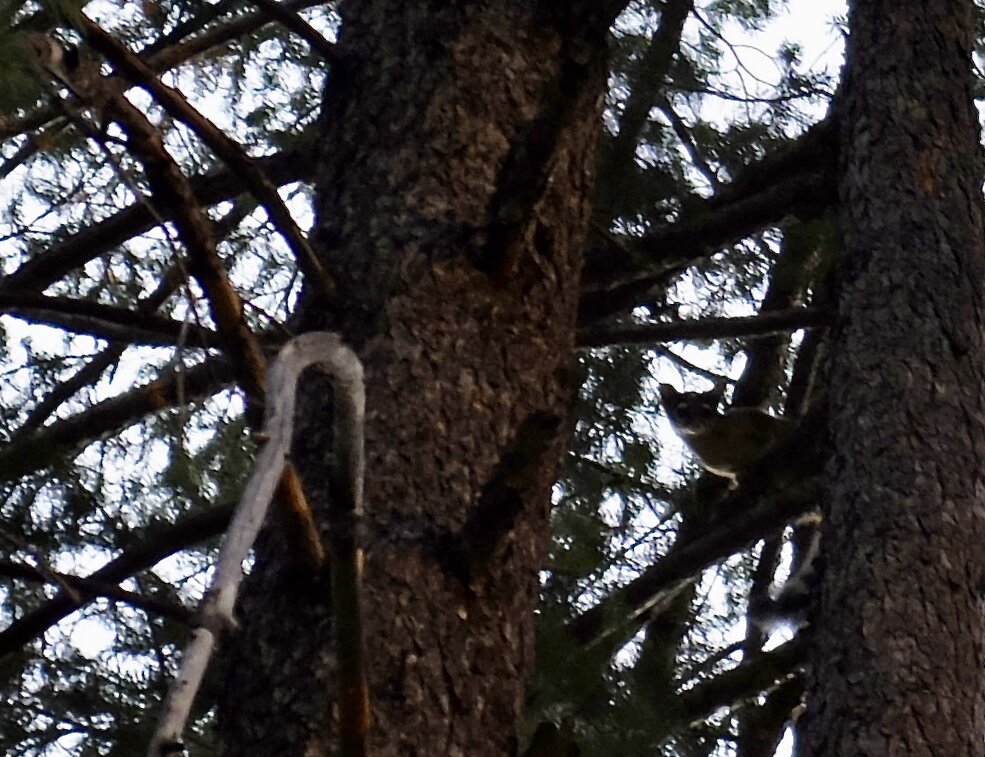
(899, 654)
(457, 159)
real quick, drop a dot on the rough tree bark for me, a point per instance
(452, 201)
(899, 653)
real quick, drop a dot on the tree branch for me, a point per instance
(797, 180)
(744, 681)
(216, 609)
(170, 185)
(53, 442)
(228, 150)
(89, 588)
(619, 156)
(698, 234)
(171, 280)
(43, 270)
(753, 511)
(704, 329)
(292, 21)
(157, 543)
(105, 321)
(166, 53)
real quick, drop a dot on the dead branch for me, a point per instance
(216, 610)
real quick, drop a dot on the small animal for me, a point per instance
(724, 442)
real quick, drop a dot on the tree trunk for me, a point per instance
(457, 159)
(899, 653)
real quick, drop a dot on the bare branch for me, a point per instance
(216, 610)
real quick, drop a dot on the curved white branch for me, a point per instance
(216, 609)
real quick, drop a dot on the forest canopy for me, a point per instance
(519, 263)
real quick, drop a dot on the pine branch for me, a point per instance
(743, 682)
(754, 512)
(764, 324)
(87, 589)
(175, 49)
(157, 543)
(697, 235)
(170, 186)
(45, 269)
(683, 132)
(54, 442)
(105, 321)
(797, 180)
(649, 83)
(292, 21)
(228, 150)
(165, 54)
(171, 280)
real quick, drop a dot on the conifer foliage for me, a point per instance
(524, 217)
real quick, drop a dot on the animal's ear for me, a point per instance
(667, 393)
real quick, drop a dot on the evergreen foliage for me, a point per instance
(99, 462)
